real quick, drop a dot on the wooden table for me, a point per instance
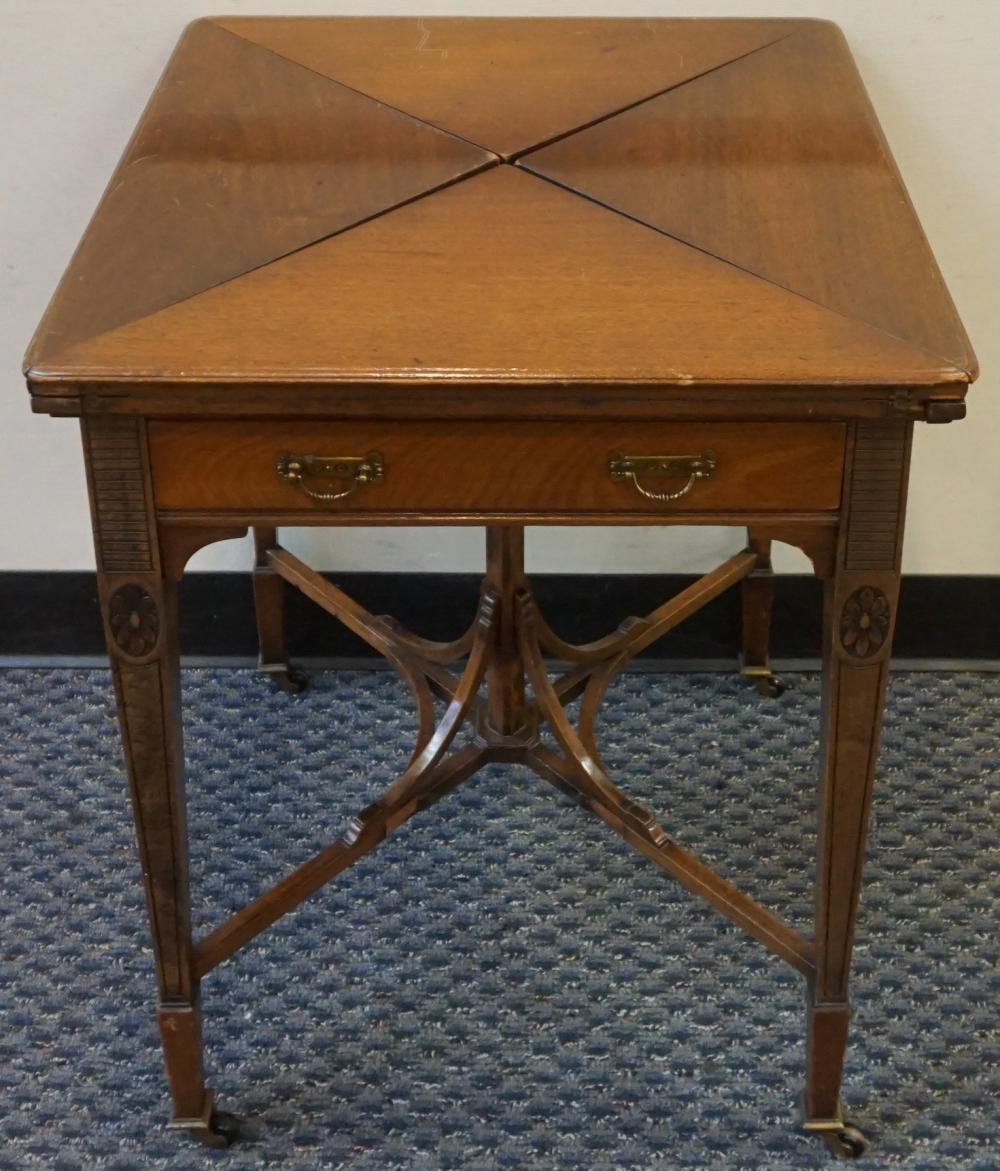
(503, 272)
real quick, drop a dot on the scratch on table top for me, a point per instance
(150, 154)
(425, 36)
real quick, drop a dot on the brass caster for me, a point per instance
(848, 1142)
(222, 1131)
(292, 680)
(770, 686)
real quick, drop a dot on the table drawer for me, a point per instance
(469, 467)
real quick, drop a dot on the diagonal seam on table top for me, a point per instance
(513, 156)
(523, 160)
(516, 156)
(485, 165)
(950, 365)
(44, 351)
(493, 161)
(354, 89)
(89, 369)
(497, 159)
(37, 368)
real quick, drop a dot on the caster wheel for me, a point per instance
(293, 680)
(771, 686)
(222, 1131)
(297, 680)
(847, 1143)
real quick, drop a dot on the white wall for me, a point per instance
(74, 75)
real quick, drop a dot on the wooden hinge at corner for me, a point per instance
(944, 410)
(60, 407)
(928, 410)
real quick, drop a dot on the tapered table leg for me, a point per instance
(757, 591)
(139, 606)
(859, 616)
(141, 624)
(140, 620)
(269, 606)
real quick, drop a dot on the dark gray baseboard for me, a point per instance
(54, 616)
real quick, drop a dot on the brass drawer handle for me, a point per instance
(631, 467)
(359, 470)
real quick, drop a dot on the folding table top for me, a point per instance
(497, 201)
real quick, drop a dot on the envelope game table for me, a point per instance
(503, 273)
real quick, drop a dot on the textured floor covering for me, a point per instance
(504, 984)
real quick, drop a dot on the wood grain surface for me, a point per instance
(509, 84)
(241, 157)
(503, 277)
(470, 467)
(277, 235)
(776, 163)
(716, 207)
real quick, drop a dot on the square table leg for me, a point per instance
(138, 599)
(757, 592)
(269, 607)
(140, 563)
(860, 602)
(141, 628)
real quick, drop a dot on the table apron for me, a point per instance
(586, 472)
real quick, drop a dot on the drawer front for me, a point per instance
(463, 468)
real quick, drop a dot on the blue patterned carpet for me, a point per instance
(504, 984)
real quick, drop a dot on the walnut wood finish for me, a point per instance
(269, 607)
(570, 292)
(241, 157)
(505, 645)
(859, 616)
(140, 616)
(537, 467)
(805, 136)
(179, 543)
(397, 399)
(246, 246)
(505, 84)
(758, 601)
(496, 252)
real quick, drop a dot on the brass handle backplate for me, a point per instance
(631, 467)
(357, 469)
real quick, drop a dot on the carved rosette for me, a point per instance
(134, 621)
(864, 622)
